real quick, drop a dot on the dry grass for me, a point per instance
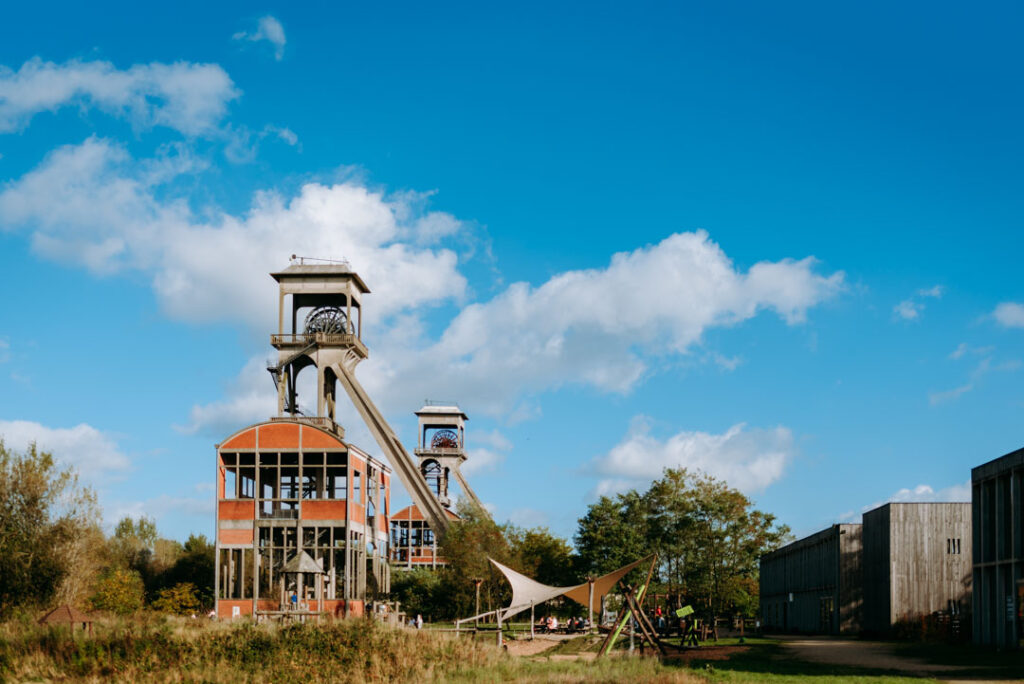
(154, 648)
(158, 649)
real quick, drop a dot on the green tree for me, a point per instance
(119, 590)
(133, 541)
(541, 555)
(181, 599)
(612, 533)
(420, 591)
(466, 547)
(194, 566)
(137, 545)
(708, 538)
(44, 515)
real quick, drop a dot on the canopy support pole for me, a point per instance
(590, 606)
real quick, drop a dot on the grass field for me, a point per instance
(151, 648)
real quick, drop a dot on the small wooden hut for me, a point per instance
(304, 568)
(67, 615)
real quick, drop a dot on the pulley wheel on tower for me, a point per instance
(329, 320)
(445, 439)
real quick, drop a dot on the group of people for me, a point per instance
(550, 625)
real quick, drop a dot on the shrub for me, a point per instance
(181, 599)
(118, 591)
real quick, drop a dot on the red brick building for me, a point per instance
(289, 486)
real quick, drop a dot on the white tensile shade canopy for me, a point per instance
(527, 592)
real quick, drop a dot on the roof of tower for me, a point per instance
(300, 270)
(439, 408)
(413, 513)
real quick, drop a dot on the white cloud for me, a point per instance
(250, 398)
(190, 98)
(747, 459)
(92, 453)
(481, 461)
(285, 134)
(729, 363)
(1010, 314)
(243, 144)
(528, 517)
(963, 349)
(5, 350)
(493, 438)
(269, 29)
(159, 508)
(942, 397)
(92, 204)
(487, 458)
(984, 367)
(922, 493)
(910, 309)
(595, 327)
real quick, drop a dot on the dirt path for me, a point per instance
(530, 647)
(869, 654)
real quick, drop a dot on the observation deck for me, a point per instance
(295, 341)
(441, 451)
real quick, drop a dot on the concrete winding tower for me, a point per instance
(327, 298)
(441, 448)
(302, 514)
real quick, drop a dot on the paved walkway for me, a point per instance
(870, 654)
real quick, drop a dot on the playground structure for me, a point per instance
(633, 620)
(527, 594)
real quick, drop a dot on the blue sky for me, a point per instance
(781, 244)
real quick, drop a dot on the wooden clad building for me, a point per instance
(814, 584)
(917, 561)
(997, 501)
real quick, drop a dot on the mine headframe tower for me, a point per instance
(441, 449)
(328, 297)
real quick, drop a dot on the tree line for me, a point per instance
(708, 538)
(53, 550)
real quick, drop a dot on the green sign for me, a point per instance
(684, 611)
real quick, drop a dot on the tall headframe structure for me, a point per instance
(326, 334)
(441, 448)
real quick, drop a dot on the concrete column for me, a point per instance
(280, 313)
(319, 390)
